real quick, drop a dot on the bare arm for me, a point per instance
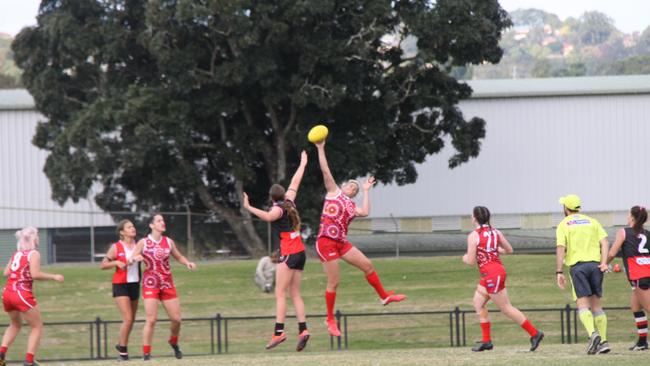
(504, 244)
(618, 243)
(180, 257)
(137, 252)
(328, 179)
(35, 269)
(604, 249)
(560, 252)
(269, 216)
(292, 191)
(364, 210)
(470, 257)
(109, 260)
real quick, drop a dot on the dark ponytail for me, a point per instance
(482, 215)
(292, 212)
(640, 216)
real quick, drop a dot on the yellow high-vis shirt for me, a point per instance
(581, 236)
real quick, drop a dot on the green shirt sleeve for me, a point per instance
(560, 235)
(602, 234)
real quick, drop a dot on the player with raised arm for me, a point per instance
(483, 247)
(285, 226)
(338, 211)
(18, 299)
(158, 284)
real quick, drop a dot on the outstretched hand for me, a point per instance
(369, 183)
(245, 204)
(320, 144)
(303, 158)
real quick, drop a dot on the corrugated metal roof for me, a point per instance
(491, 88)
(11, 99)
(586, 85)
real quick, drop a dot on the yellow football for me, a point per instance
(317, 134)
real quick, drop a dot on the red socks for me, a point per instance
(3, 349)
(29, 357)
(173, 340)
(146, 349)
(528, 327)
(374, 281)
(330, 299)
(485, 327)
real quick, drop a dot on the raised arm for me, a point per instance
(35, 269)
(109, 260)
(180, 257)
(364, 210)
(618, 243)
(269, 216)
(292, 191)
(470, 257)
(328, 179)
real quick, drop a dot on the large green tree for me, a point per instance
(174, 103)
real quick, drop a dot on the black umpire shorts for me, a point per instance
(131, 289)
(587, 279)
(294, 261)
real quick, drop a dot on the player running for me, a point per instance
(158, 285)
(483, 247)
(285, 225)
(338, 211)
(633, 241)
(17, 297)
(582, 246)
(126, 281)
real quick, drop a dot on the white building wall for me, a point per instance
(24, 185)
(536, 150)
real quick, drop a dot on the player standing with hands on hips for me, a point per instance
(582, 246)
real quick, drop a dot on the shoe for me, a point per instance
(267, 288)
(177, 351)
(393, 298)
(594, 341)
(639, 346)
(333, 328)
(2, 360)
(146, 357)
(302, 340)
(480, 346)
(121, 354)
(603, 348)
(534, 341)
(275, 340)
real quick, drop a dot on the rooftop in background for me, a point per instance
(11, 99)
(567, 86)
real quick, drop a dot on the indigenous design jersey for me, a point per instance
(20, 278)
(130, 274)
(158, 274)
(636, 254)
(284, 235)
(487, 249)
(338, 212)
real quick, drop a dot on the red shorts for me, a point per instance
(329, 249)
(493, 278)
(18, 300)
(160, 294)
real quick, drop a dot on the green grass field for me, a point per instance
(438, 283)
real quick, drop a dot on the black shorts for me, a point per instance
(294, 261)
(587, 279)
(642, 283)
(131, 289)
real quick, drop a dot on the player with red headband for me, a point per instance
(483, 247)
(338, 211)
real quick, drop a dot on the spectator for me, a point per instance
(265, 272)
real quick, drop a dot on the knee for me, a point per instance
(333, 283)
(150, 321)
(175, 320)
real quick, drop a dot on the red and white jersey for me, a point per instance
(338, 212)
(20, 278)
(487, 248)
(158, 274)
(130, 274)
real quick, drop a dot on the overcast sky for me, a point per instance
(628, 15)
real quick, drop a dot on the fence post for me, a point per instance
(575, 325)
(219, 333)
(345, 330)
(457, 316)
(567, 310)
(562, 325)
(451, 329)
(92, 349)
(338, 324)
(464, 331)
(225, 334)
(98, 336)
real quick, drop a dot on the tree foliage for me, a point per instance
(168, 103)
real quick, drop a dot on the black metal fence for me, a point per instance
(220, 338)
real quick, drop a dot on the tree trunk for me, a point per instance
(241, 225)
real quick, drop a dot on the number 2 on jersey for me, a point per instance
(644, 240)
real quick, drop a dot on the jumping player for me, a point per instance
(158, 285)
(483, 247)
(338, 211)
(633, 241)
(285, 224)
(126, 281)
(17, 297)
